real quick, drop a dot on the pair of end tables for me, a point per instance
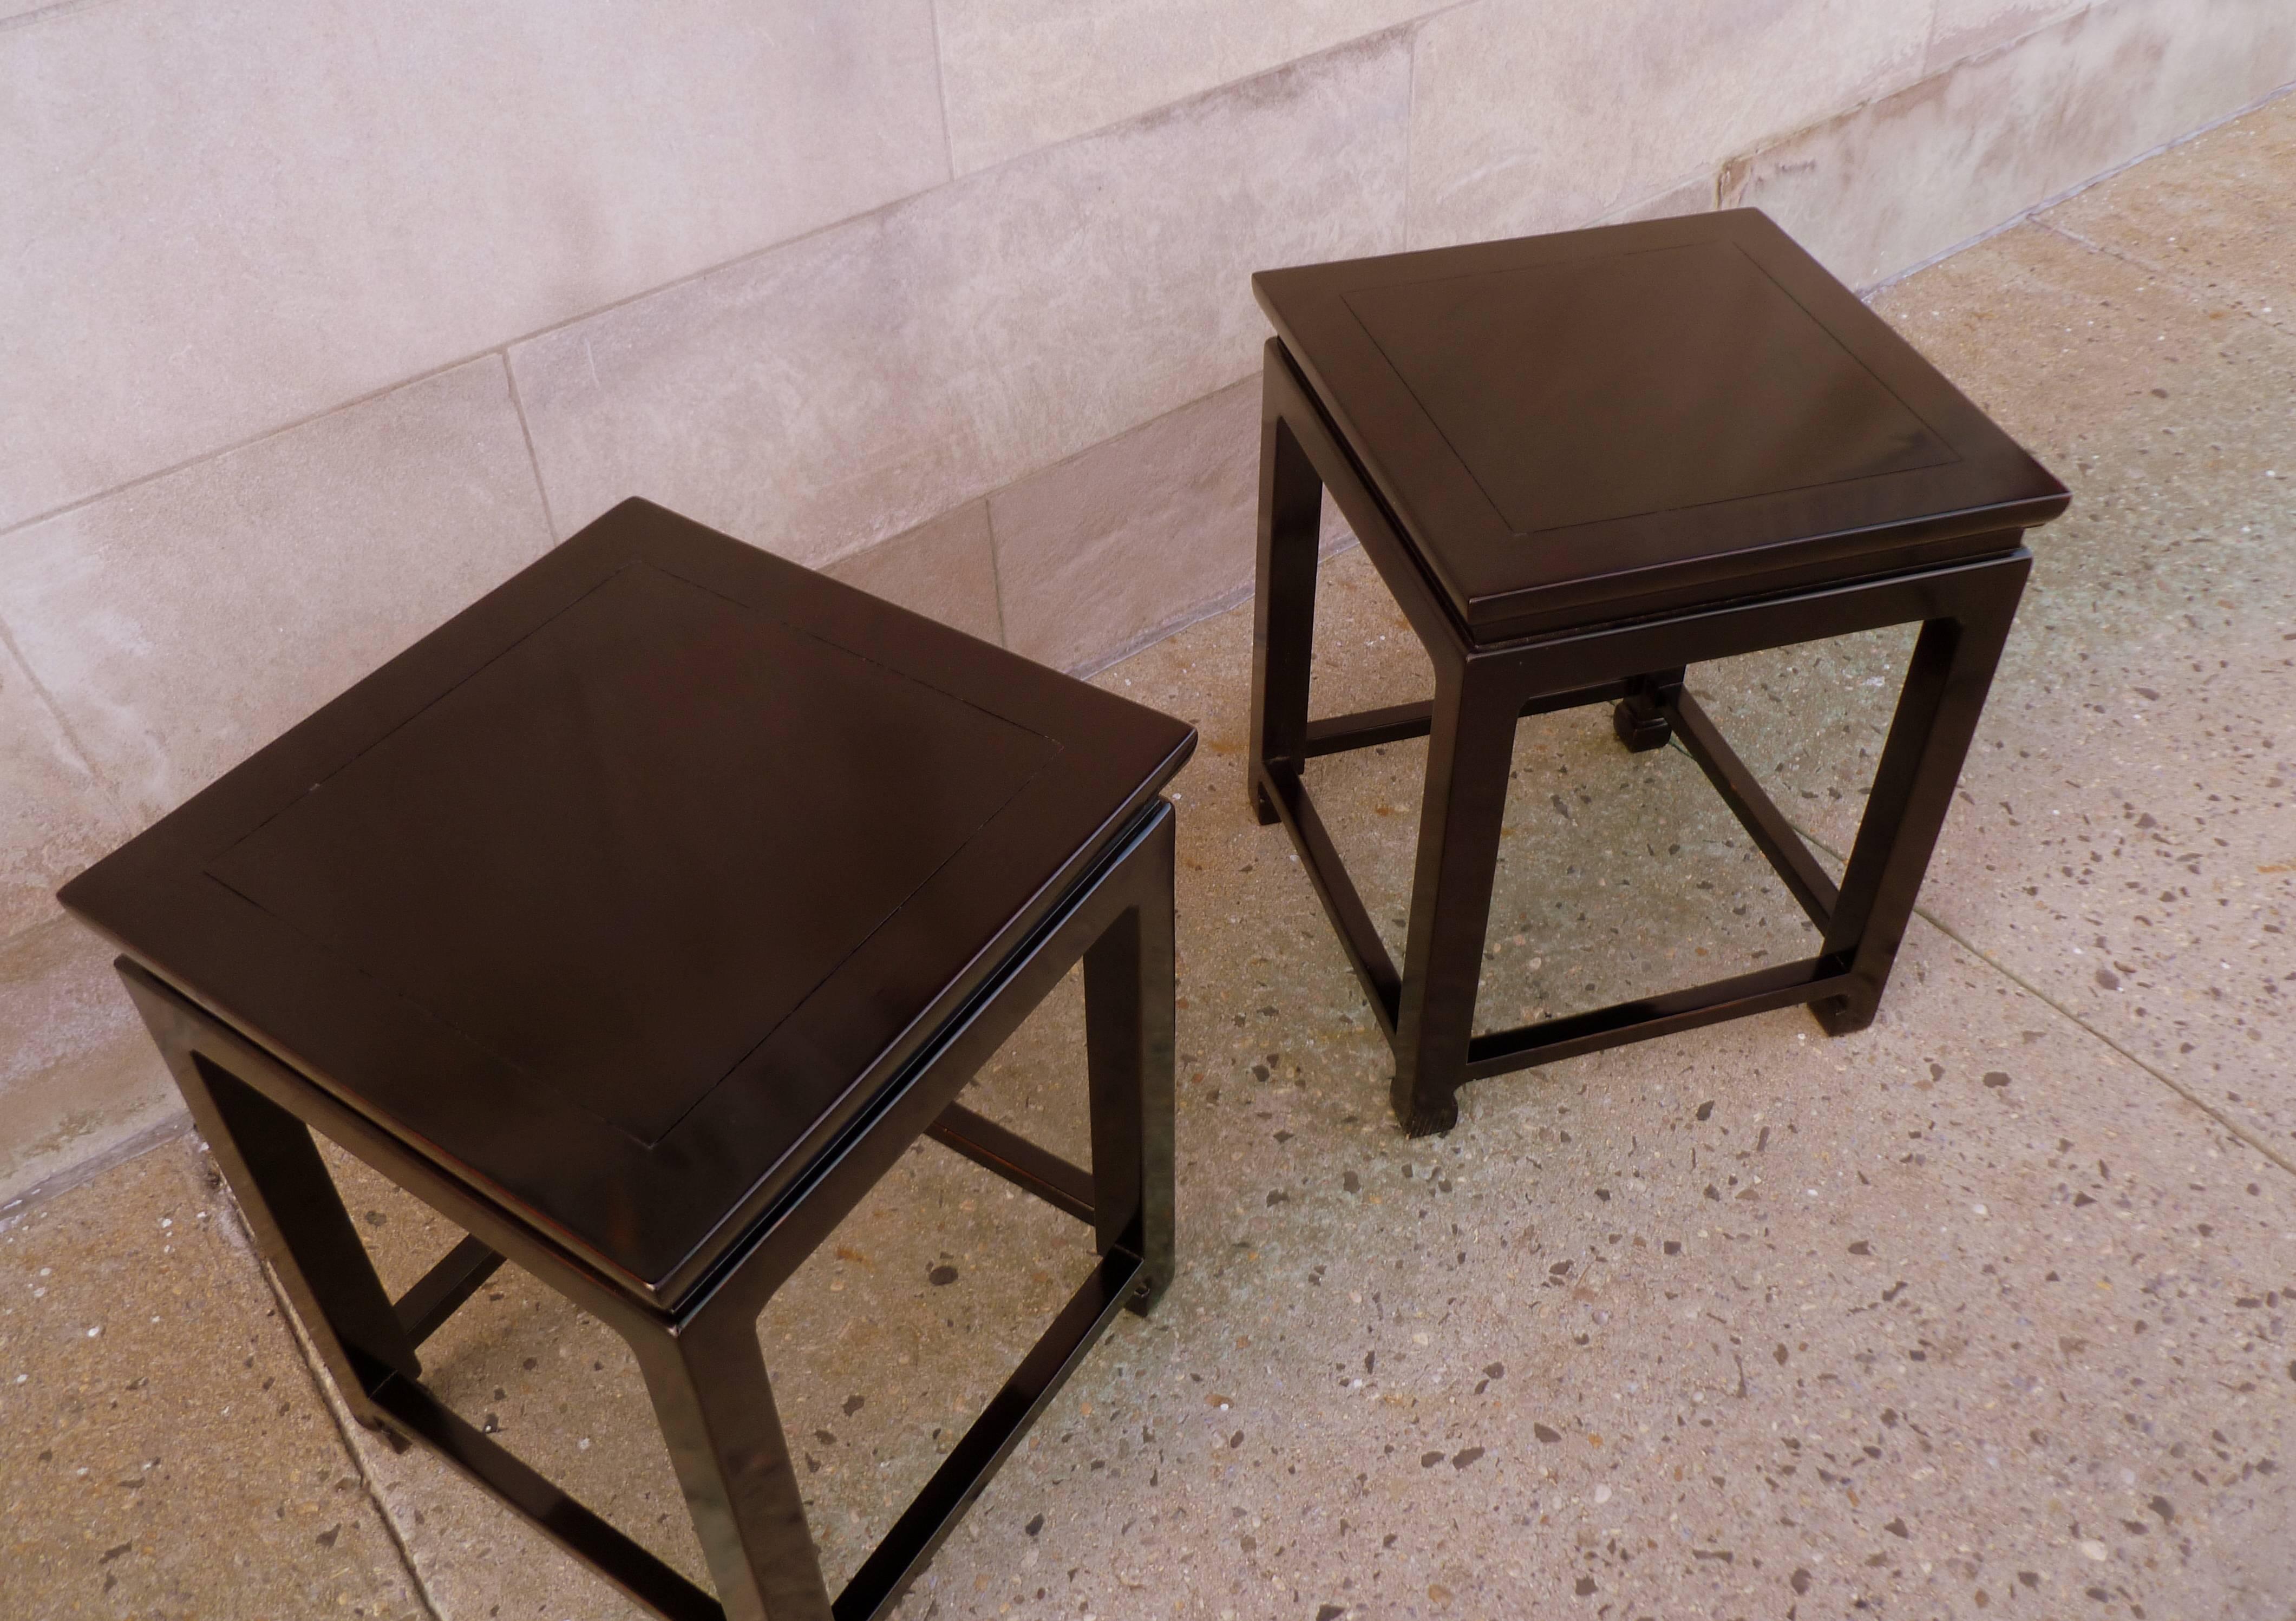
(639, 918)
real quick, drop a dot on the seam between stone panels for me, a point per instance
(1077, 455)
(1034, 473)
(518, 405)
(81, 1172)
(1929, 45)
(941, 93)
(1410, 125)
(2159, 273)
(236, 446)
(890, 204)
(60, 8)
(502, 347)
(2267, 1149)
(1100, 663)
(996, 570)
(47, 700)
(1999, 48)
(1407, 30)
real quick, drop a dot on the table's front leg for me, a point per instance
(1937, 710)
(1129, 975)
(716, 1407)
(1464, 803)
(282, 1188)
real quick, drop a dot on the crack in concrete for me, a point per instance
(2167, 276)
(2266, 1149)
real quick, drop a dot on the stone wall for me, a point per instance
(318, 319)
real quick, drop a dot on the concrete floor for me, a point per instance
(1986, 1308)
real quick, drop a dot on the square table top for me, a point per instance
(1577, 427)
(623, 891)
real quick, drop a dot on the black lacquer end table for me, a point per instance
(1582, 462)
(637, 919)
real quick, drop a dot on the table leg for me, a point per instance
(716, 1407)
(291, 1203)
(1946, 686)
(1468, 753)
(1283, 600)
(1128, 991)
(1639, 719)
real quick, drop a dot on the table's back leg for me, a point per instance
(716, 1408)
(1468, 753)
(1128, 990)
(1283, 600)
(1639, 718)
(1945, 684)
(290, 1202)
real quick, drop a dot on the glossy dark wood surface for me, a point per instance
(1596, 424)
(627, 889)
(1581, 464)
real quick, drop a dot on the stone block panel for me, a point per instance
(226, 218)
(55, 817)
(1898, 182)
(1100, 552)
(841, 389)
(181, 624)
(1022, 74)
(1529, 116)
(944, 569)
(78, 1074)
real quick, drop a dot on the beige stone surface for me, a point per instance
(77, 1076)
(845, 388)
(2140, 725)
(1893, 184)
(1692, 196)
(162, 1448)
(945, 568)
(182, 623)
(1528, 116)
(1021, 74)
(1972, 28)
(2214, 214)
(1135, 533)
(55, 817)
(2126, 838)
(228, 218)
